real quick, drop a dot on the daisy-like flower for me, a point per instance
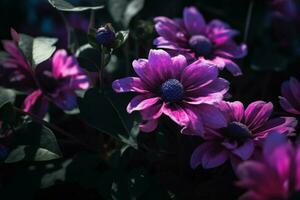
(276, 176)
(170, 86)
(194, 38)
(290, 99)
(55, 80)
(246, 129)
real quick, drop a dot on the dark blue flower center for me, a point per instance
(294, 195)
(200, 44)
(237, 131)
(172, 90)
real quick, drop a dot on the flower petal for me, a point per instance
(66, 100)
(176, 113)
(245, 151)
(153, 112)
(287, 106)
(194, 21)
(196, 158)
(232, 67)
(129, 84)
(214, 157)
(282, 125)
(257, 113)
(234, 111)
(64, 65)
(141, 102)
(278, 153)
(211, 116)
(199, 74)
(220, 32)
(36, 103)
(231, 50)
(148, 126)
(161, 64)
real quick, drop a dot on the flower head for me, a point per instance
(276, 176)
(290, 99)
(170, 86)
(53, 81)
(57, 81)
(246, 129)
(194, 38)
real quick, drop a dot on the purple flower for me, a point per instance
(170, 86)
(246, 129)
(106, 36)
(290, 99)
(193, 38)
(14, 69)
(276, 176)
(55, 80)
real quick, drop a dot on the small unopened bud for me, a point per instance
(106, 36)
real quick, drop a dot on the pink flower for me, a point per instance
(276, 176)
(53, 81)
(185, 93)
(57, 81)
(14, 69)
(290, 100)
(194, 38)
(246, 129)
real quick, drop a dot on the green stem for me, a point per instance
(248, 20)
(101, 68)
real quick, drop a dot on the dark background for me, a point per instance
(263, 76)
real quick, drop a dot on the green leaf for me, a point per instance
(88, 57)
(42, 49)
(7, 112)
(66, 6)
(38, 49)
(23, 152)
(122, 11)
(133, 8)
(6, 96)
(100, 111)
(33, 142)
(121, 38)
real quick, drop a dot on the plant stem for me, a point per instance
(248, 20)
(101, 68)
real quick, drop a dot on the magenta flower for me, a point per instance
(276, 176)
(58, 79)
(55, 80)
(169, 86)
(246, 129)
(193, 38)
(290, 99)
(14, 69)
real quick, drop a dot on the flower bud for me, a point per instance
(106, 36)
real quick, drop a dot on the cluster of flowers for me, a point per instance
(182, 82)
